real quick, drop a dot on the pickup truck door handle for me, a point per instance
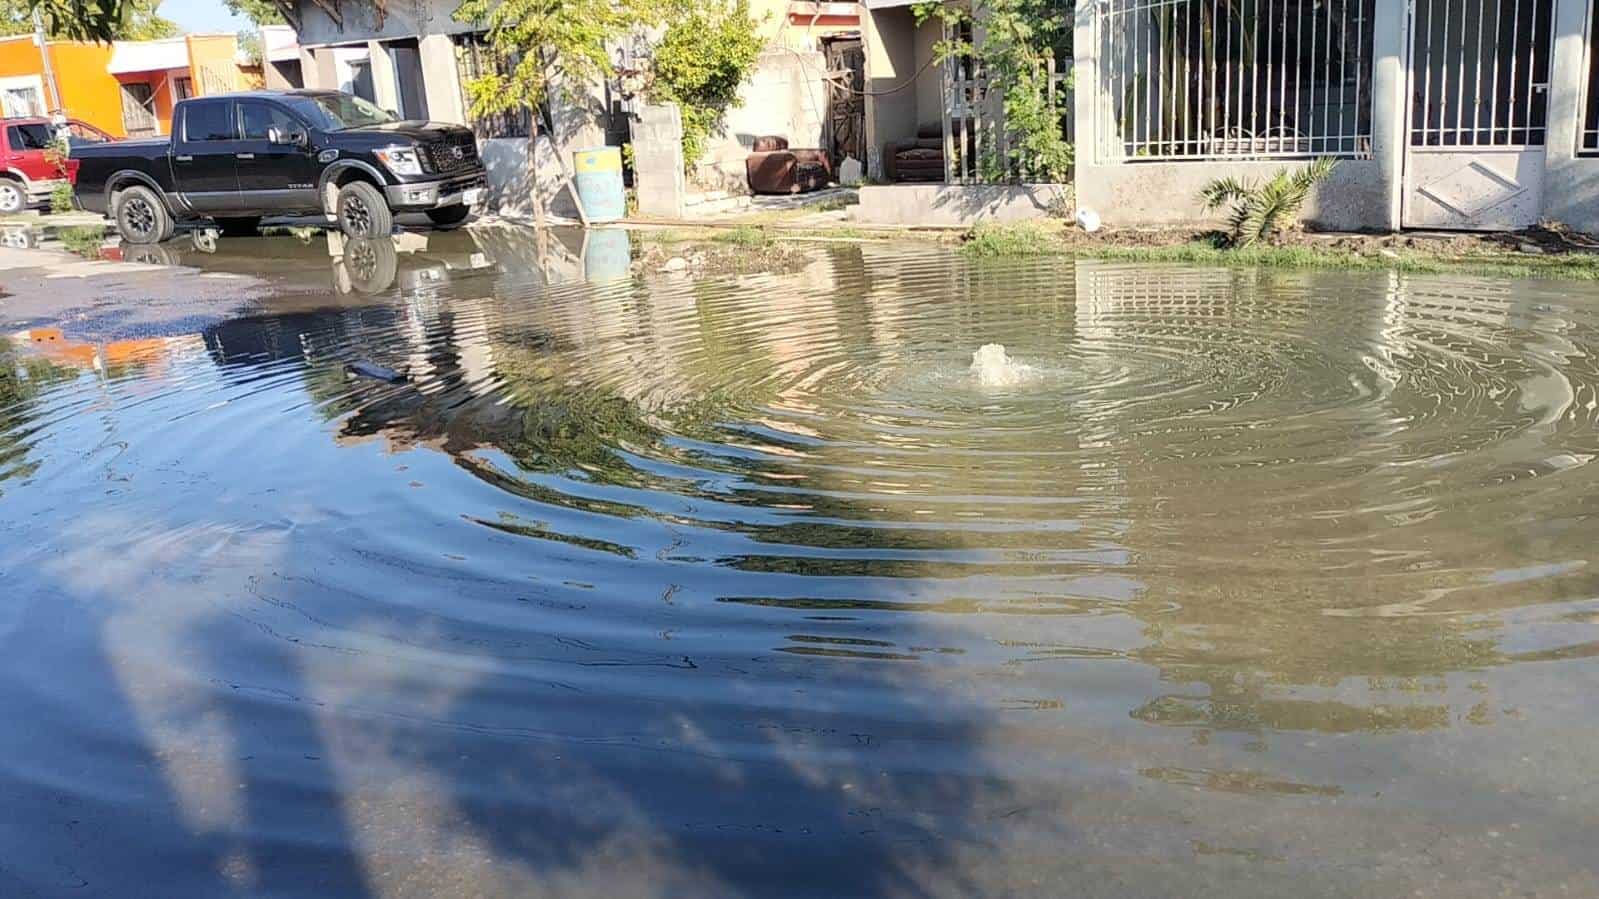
(185, 158)
(244, 156)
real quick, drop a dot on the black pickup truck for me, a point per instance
(235, 158)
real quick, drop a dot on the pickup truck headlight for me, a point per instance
(400, 160)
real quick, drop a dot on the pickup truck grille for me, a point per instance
(452, 154)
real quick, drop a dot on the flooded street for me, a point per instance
(448, 569)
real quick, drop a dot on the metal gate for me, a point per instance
(1479, 79)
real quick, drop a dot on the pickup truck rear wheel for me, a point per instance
(243, 226)
(363, 213)
(141, 216)
(448, 217)
(12, 197)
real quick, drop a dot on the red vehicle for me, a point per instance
(28, 177)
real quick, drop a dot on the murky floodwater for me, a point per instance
(1246, 584)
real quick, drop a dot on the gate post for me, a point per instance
(1390, 101)
(658, 161)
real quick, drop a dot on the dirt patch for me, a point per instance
(710, 259)
(1538, 241)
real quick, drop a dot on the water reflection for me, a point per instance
(747, 585)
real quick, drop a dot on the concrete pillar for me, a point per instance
(309, 76)
(1567, 75)
(1390, 96)
(877, 74)
(1085, 92)
(658, 161)
(384, 85)
(441, 79)
(323, 69)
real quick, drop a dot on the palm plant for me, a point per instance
(1259, 210)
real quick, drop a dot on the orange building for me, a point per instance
(126, 88)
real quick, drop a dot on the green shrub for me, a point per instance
(1259, 211)
(699, 64)
(61, 198)
(84, 240)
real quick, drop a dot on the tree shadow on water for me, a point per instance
(304, 682)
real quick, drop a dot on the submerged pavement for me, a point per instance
(472, 564)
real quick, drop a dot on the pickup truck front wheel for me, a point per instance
(142, 217)
(363, 213)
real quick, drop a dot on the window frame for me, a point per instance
(228, 116)
(241, 103)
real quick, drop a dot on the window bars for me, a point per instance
(1234, 79)
(474, 58)
(979, 147)
(1480, 72)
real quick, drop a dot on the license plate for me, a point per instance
(472, 197)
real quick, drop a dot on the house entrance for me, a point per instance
(1479, 83)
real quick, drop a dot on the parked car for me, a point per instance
(29, 176)
(235, 158)
(79, 133)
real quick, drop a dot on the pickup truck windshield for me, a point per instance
(336, 112)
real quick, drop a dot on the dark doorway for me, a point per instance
(407, 60)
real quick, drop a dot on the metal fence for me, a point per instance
(978, 147)
(1234, 79)
(1480, 72)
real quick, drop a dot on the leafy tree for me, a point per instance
(699, 64)
(1259, 211)
(261, 12)
(88, 20)
(549, 49)
(1015, 42)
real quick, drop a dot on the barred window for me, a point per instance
(474, 58)
(1239, 79)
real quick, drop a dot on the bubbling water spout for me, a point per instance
(994, 368)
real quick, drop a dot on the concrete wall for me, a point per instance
(88, 91)
(1149, 193)
(1363, 194)
(955, 204)
(785, 95)
(361, 21)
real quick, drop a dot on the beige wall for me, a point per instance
(887, 36)
(785, 96)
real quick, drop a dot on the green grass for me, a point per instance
(1030, 239)
(1509, 265)
(746, 236)
(84, 240)
(1016, 239)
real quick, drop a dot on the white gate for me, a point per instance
(1479, 78)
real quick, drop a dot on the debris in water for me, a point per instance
(376, 372)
